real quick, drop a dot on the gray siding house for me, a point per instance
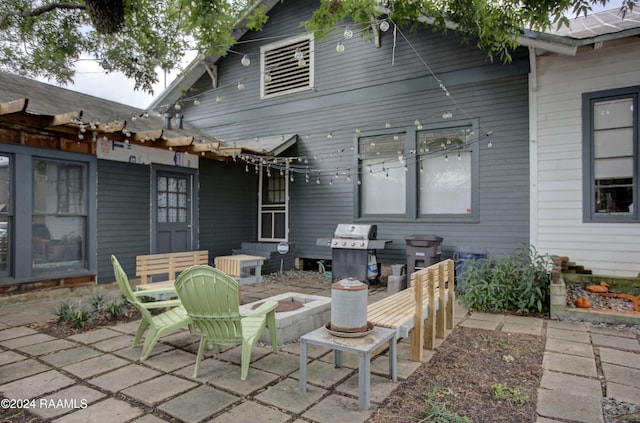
(416, 133)
(84, 178)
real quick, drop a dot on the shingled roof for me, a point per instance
(42, 106)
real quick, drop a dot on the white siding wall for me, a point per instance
(605, 248)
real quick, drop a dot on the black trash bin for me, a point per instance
(422, 251)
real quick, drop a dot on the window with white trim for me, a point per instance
(611, 164)
(287, 66)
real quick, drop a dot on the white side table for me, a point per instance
(362, 346)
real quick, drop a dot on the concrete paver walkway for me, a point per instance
(97, 376)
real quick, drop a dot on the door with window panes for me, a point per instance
(273, 220)
(173, 208)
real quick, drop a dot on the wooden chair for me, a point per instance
(159, 325)
(210, 298)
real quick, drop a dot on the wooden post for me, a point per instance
(441, 318)
(430, 324)
(451, 300)
(417, 339)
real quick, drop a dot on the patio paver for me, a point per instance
(36, 385)
(96, 365)
(248, 412)
(187, 407)
(336, 408)
(110, 410)
(123, 377)
(158, 389)
(287, 395)
(66, 399)
(70, 356)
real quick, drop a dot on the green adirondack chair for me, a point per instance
(211, 299)
(159, 325)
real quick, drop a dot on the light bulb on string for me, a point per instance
(387, 125)
(459, 156)
(301, 63)
(298, 54)
(240, 86)
(246, 168)
(340, 47)
(196, 102)
(291, 178)
(318, 181)
(267, 77)
(384, 26)
(446, 157)
(330, 181)
(177, 106)
(245, 60)
(348, 33)
(489, 143)
(218, 99)
(359, 182)
(330, 135)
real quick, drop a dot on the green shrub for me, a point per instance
(517, 282)
(63, 310)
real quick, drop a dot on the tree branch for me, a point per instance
(40, 11)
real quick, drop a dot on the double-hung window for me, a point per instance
(611, 164)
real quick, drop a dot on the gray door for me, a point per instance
(174, 211)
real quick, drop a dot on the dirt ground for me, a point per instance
(486, 376)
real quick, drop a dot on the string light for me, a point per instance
(384, 26)
(340, 47)
(196, 102)
(298, 54)
(218, 99)
(240, 86)
(245, 60)
(348, 33)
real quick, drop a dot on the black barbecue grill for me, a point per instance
(351, 246)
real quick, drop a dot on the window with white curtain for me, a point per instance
(383, 175)
(444, 166)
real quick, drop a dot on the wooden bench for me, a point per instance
(244, 268)
(421, 312)
(166, 266)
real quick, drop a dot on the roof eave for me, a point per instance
(193, 72)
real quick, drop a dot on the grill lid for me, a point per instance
(356, 231)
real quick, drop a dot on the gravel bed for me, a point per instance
(597, 301)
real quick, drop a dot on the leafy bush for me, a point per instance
(517, 282)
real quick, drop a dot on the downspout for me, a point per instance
(533, 148)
